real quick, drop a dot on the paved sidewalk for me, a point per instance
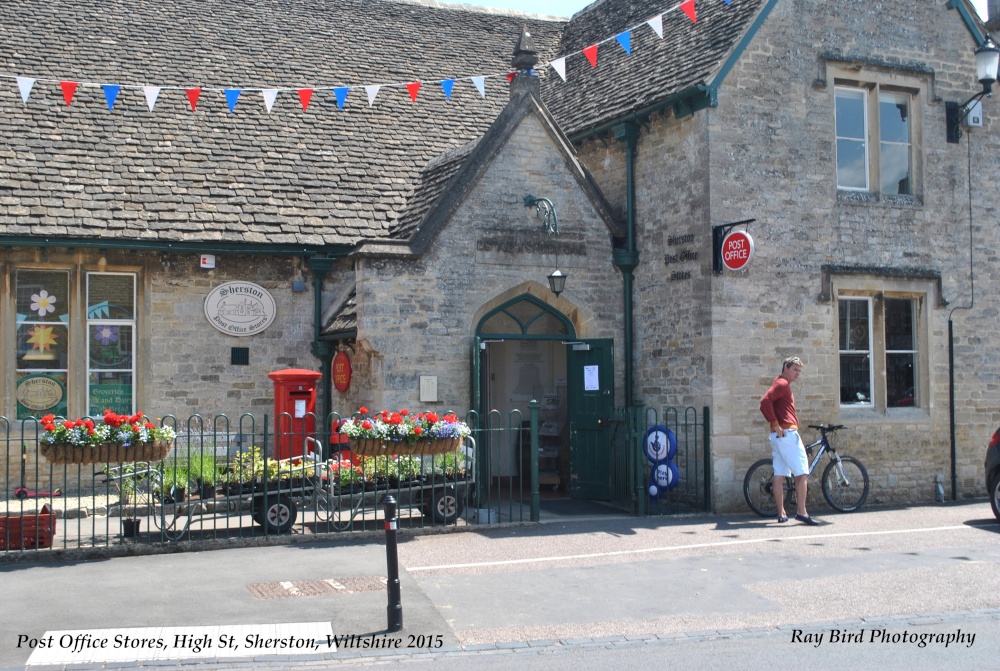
(605, 582)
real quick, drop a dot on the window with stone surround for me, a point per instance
(877, 127)
(62, 347)
(879, 336)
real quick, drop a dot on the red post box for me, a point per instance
(294, 411)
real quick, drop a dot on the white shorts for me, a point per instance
(788, 454)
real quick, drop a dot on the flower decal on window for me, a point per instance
(106, 334)
(42, 303)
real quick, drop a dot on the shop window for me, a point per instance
(878, 340)
(874, 132)
(56, 353)
(110, 342)
(42, 328)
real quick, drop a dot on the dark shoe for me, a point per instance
(807, 520)
(782, 520)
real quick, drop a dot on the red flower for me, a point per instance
(418, 430)
(90, 431)
(404, 412)
(89, 423)
(395, 418)
(432, 417)
(149, 425)
(363, 410)
(366, 425)
(48, 419)
(50, 427)
(69, 424)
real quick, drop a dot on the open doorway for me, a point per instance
(517, 372)
(527, 350)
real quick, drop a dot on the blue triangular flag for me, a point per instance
(111, 94)
(341, 93)
(447, 84)
(625, 39)
(232, 95)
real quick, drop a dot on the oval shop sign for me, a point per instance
(240, 308)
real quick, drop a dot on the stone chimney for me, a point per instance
(525, 58)
(992, 20)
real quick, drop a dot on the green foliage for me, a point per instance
(203, 468)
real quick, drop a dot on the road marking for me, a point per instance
(671, 548)
(135, 644)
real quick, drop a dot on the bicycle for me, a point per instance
(845, 481)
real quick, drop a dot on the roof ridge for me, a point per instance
(467, 7)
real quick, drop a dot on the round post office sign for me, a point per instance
(240, 308)
(341, 372)
(737, 250)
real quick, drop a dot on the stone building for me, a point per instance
(277, 182)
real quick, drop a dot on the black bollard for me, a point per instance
(394, 611)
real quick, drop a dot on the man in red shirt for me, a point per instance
(787, 451)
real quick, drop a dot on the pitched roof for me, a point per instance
(688, 54)
(313, 177)
(293, 177)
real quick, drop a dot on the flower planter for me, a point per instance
(28, 531)
(373, 447)
(105, 452)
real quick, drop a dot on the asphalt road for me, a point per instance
(732, 587)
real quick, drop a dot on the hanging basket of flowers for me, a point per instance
(113, 439)
(403, 433)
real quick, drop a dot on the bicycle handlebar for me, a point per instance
(827, 428)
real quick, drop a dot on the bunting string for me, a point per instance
(270, 95)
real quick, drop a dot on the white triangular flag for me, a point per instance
(270, 95)
(480, 83)
(372, 91)
(559, 65)
(656, 23)
(25, 84)
(152, 93)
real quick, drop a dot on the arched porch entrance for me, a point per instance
(526, 349)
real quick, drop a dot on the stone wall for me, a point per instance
(767, 152)
(419, 317)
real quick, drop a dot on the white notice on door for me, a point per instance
(590, 382)
(300, 408)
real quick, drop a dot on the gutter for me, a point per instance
(177, 247)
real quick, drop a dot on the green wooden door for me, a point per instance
(590, 390)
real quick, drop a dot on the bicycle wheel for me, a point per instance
(758, 489)
(845, 484)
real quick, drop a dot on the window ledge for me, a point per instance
(849, 414)
(871, 198)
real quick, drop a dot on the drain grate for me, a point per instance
(297, 588)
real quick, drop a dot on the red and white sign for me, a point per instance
(341, 371)
(737, 250)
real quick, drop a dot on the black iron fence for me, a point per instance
(256, 476)
(661, 461)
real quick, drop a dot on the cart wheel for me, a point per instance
(279, 514)
(446, 506)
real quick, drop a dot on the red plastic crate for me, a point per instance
(28, 532)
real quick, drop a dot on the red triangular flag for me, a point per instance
(68, 89)
(688, 8)
(591, 54)
(192, 95)
(510, 76)
(305, 95)
(413, 88)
